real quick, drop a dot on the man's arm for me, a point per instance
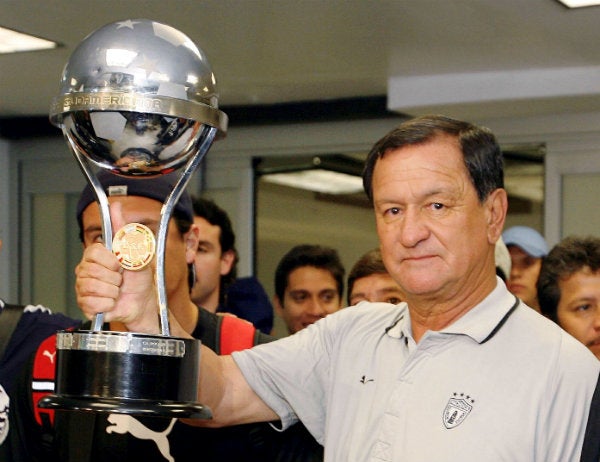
(226, 392)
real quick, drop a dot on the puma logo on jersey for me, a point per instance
(50, 355)
(122, 424)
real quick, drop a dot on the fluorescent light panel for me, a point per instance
(318, 180)
(12, 41)
(579, 3)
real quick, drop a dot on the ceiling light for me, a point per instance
(12, 41)
(318, 180)
(579, 3)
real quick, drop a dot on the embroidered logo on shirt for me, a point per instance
(364, 380)
(457, 409)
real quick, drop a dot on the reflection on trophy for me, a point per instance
(137, 98)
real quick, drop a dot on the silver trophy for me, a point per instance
(137, 98)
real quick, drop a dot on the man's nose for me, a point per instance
(413, 228)
(596, 318)
(317, 307)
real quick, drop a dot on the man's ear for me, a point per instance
(277, 306)
(227, 262)
(496, 209)
(191, 239)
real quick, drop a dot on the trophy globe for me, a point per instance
(137, 98)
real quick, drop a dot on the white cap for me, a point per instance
(502, 257)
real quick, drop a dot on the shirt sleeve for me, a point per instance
(291, 375)
(569, 396)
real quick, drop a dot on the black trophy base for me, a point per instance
(138, 407)
(126, 373)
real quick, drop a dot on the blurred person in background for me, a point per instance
(503, 261)
(309, 285)
(23, 328)
(215, 286)
(369, 280)
(569, 288)
(527, 249)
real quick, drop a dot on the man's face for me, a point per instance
(137, 209)
(578, 310)
(436, 238)
(524, 273)
(210, 264)
(376, 287)
(310, 295)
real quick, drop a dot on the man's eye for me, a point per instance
(585, 307)
(393, 300)
(391, 212)
(298, 296)
(437, 206)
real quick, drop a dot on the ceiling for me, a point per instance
(467, 58)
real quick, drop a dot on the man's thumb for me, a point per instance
(116, 216)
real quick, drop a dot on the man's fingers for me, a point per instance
(98, 261)
(91, 306)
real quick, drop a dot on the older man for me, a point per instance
(461, 370)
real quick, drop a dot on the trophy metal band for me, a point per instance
(137, 98)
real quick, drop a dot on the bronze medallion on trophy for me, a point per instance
(134, 246)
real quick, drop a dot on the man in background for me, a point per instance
(569, 288)
(527, 248)
(309, 285)
(22, 330)
(216, 258)
(503, 261)
(369, 280)
(213, 274)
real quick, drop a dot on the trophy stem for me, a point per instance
(107, 235)
(165, 214)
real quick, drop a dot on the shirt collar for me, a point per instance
(398, 329)
(479, 323)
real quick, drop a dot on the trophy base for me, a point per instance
(138, 407)
(127, 373)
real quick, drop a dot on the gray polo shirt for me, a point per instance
(502, 383)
